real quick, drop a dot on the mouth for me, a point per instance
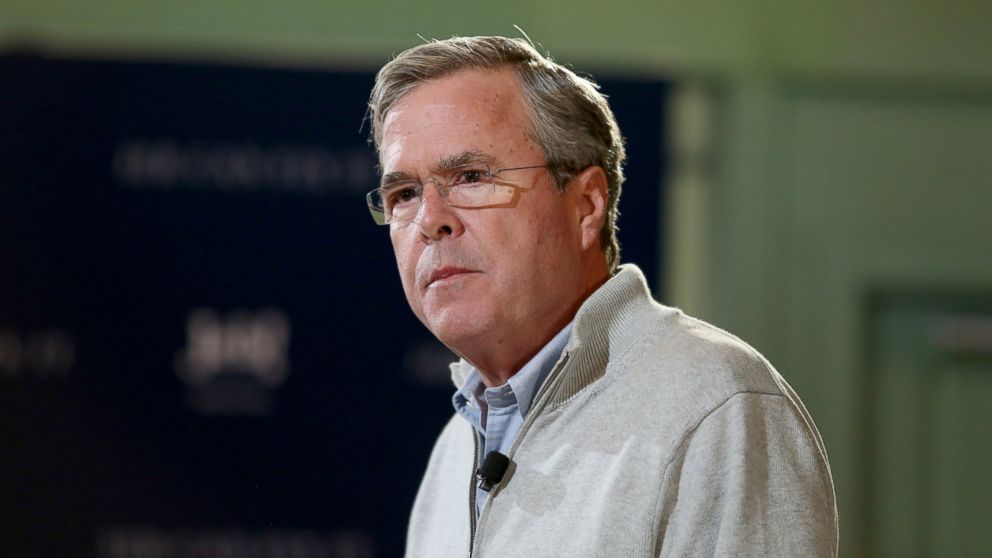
(447, 274)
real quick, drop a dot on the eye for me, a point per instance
(472, 176)
(401, 194)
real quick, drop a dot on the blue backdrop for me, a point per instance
(204, 345)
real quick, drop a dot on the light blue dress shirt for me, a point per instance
(498, 412)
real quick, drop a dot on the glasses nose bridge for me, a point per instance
(439, 185)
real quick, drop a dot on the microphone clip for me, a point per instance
(491, 472)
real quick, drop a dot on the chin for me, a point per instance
(459, 328)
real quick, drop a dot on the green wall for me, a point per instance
(847, 194)
(821, 150)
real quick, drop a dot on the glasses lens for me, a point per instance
(471, 187)
(401, 201)
(467, 186)
(374, 201)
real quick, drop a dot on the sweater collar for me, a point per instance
(606, 325)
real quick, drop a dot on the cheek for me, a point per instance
(405, 260)
(542, 232)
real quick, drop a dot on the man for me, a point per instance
(630, 429)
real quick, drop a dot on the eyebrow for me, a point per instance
(443, 164)
(391, 178)
(466, 157)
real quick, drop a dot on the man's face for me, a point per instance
(481, 279)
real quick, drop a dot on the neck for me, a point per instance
(501, 358)
(497, 369)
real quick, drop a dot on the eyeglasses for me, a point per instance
(471, 185)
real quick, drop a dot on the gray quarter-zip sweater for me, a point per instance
(656, 434)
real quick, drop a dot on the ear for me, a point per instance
(591, 187)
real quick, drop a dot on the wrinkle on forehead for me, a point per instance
(439, 112)
(429, 114)
(494, 99)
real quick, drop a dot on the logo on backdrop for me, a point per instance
(39, 354)
(156, 542)
(233, 363)
(428, 363)
(169, 164)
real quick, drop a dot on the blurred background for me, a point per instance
(204, 348)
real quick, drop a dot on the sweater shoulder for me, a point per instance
(684, 360)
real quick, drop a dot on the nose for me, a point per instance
(435, 217)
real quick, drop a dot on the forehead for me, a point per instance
(480, 111)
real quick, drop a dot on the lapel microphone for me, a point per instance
(492, 469)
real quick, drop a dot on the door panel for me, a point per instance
(929, 426)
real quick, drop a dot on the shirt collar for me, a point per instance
(524, 383)
(528, 380)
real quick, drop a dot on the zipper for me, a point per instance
(531, 416)
(547, 385)
(471, 493)
(536, 408)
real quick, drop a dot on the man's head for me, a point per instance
(569, 118)
(495, 282)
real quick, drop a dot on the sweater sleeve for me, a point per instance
(749, 480)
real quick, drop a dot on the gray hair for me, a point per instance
(570, 119)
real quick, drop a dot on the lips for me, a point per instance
(447, 272)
